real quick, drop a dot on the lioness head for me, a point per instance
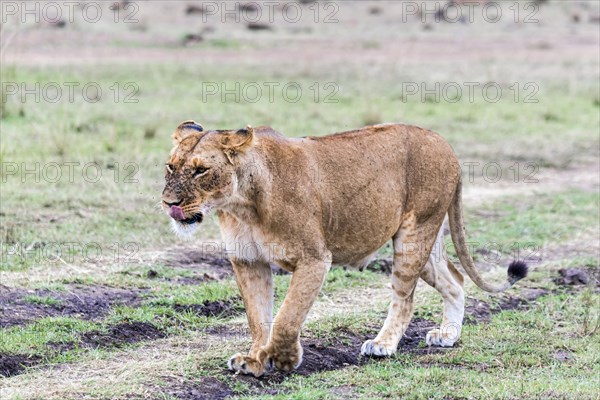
(200, 172)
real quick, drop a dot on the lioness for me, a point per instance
(307, 203)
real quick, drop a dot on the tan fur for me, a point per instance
(307, 203)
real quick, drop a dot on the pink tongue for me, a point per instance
(176, 213)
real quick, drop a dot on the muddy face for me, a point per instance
(198, 174)
(195, 179)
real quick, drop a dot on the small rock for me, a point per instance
(151, 274)
(562, 356)
(192, 38)
(532, 294)
(119, 5)
(192, 9)
(61, 23)
(257, 26)
(573, 276)
(249, 7)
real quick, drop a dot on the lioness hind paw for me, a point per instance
(435, 338)
(372, 348)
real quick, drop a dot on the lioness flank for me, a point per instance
(307, 203)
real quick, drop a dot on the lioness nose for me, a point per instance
(171, 204)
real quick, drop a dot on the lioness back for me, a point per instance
(369, 178)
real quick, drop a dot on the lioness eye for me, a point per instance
(169, 168)
(199, 171)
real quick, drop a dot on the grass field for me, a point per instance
(100, 300)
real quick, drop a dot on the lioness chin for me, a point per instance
(307, 203)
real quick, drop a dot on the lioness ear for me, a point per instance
(184, 130)
(239, 140)
(236, 142)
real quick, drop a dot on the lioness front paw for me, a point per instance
(373, 348)
(285, 358)
(436, 338)
(267, 359)
(248, 365)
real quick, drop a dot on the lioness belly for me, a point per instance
(359, 230)
(358, 249)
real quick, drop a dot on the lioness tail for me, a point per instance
(517, 269)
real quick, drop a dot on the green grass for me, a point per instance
(42, 300)
(520, 227)
(33, 338)
(193, 294)
(116, 141)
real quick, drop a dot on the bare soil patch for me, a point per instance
(578, 276)
(216, 265)
(341, 351)
(570, 279)
(20, 306)
(319, 355)
(479, 311)
(581, 176)
(381, 265)
(118, 335)
(121, 334)
(415, 334)
(208, 388)
(208, 266)
(14, 364)
(194, 279)
(220, 308)
(115, 336)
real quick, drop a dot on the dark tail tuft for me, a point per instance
(517, 270)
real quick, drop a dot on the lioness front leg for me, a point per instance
(255, 281)
(283, 350)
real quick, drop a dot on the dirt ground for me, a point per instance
(86, 302)
(327, 354)
(342, 351)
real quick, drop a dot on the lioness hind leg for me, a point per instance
(440, 273)
(412, 246)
